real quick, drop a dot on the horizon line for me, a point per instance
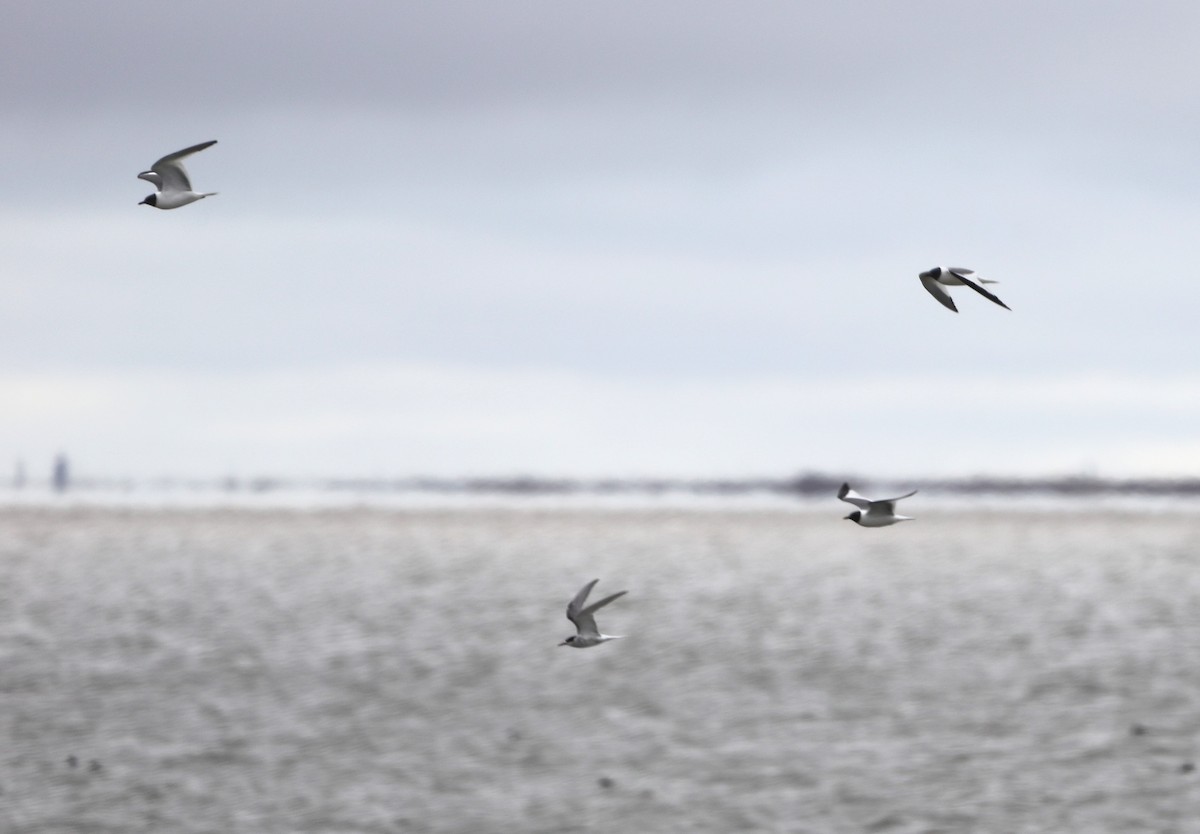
(804, 484)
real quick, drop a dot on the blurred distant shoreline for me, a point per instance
(806, 486)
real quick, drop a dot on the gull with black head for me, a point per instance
(881, 513)
(585, 619)
(170, 178)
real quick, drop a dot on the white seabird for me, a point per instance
(881, 513)
(170, 178)
(937, 279)
(585, 620)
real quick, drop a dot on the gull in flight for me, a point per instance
(937, 279)
(585, 620)
(870, 513)
(170, 178)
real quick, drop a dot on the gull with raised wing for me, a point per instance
(870, 513)
(937, 279)
(170, 178)
(585, 619)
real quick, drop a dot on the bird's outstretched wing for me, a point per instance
(576, 605)
(585, 618)
(171, 174)
(888, 505)
(961, 274)
(938, 292)
(851, 497)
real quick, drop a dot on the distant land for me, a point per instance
(801, 486)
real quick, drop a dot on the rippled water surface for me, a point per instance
(227, 671)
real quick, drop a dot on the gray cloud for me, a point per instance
(1081, 56)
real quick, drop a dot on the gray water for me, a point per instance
(227, 671)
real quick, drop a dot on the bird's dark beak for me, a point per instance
(563, 643)
(143, 203)
(847, 518)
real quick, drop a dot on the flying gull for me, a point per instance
(170, 178)
(937, 279)
(870, 513)
(585, 620)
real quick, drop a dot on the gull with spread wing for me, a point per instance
(585, 619)
(170, 178)
(881, 513)
(937, 279)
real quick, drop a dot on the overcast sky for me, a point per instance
(617, 238)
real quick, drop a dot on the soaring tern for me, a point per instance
(870, 513)
(937, 279)
(585, 620)
(170, 178)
